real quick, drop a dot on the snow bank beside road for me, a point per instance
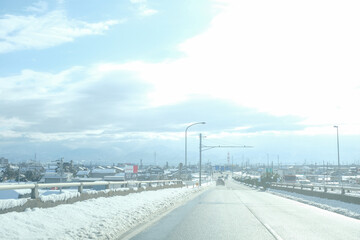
(101, 218)
(11, 203)
(347, 209)
(48, 196)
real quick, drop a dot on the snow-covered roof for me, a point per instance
(118, 168)
(56, 175)
(14, 167)
(86, 179)
(83, 172)
(115, 178)
(97, 170)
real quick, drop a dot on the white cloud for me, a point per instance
(72, 103)
(143, 9)
(279, 57)
(259, 57)
(38, 7)
(10, 123)
(40, 85)
(138, 1)
(48, 30)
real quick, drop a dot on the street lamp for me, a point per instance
(337, 135)
(186, 138)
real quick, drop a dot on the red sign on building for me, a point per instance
(131, 169)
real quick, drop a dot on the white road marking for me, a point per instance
(272, 231)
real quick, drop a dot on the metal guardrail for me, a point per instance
(343, 188)
(36, 186)
(325, 188)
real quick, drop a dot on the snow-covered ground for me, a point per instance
(348, 209)
(101, 218)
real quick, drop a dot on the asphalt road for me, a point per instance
(238, 212)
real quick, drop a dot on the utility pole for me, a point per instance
(204, 148)
(242, 161)
(19, 175)
(200, 159)
(324, 172)
(61, 172)
(232, 166)
(155, 158)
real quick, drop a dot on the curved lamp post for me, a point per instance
(337, 135)
(186, 138)
(338, 152)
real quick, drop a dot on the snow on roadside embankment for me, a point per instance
(347, 209)
(11, 203)
(101, 218)
(47, 196)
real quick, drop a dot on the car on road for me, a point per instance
(220, 182)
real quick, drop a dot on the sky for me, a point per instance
(119, 81)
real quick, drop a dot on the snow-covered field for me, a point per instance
(101, 218)
(348, 209)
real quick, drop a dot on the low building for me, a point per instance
(4, 162)
(53, 177)
(116, 177)
(83, 174)
(155, 170)
(101, 173)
